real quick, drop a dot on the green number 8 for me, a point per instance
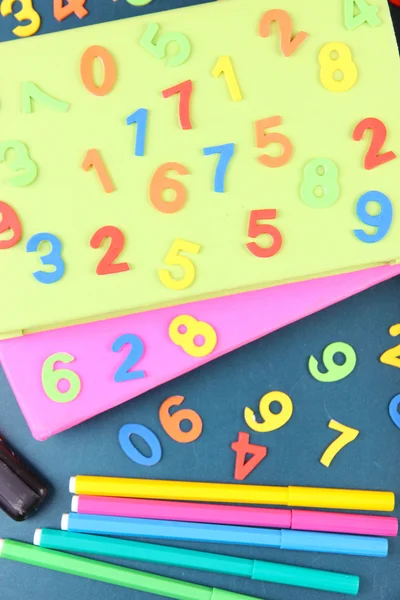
(51, 378)
(320, 173)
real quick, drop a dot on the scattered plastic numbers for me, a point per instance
(264, 139)
(159, 183)
(22, 161)
(173, 258)
(289, 44)
(159, 49)
(172, 422)
(242, 447)
(347, 435)
(184, 90)
(392, 356)
(334, 372)
(320, 185)
(53, 258)
(379, 132)
(107, 266)
(140, 118)
(338, 71)
(382, 221)
(93, 160)
(72, 7)
(257, 228)
(110, 70)
(27, 13)
(394, 410)
(224, 65)
(136, 352)
(192, 329)
(9, 222)
(132, 452)
(365, 13)
(271, 421)
(30, 91)
(52, 377)
(226, 152)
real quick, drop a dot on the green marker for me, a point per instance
(195, 559)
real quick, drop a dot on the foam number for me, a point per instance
(338, 71)
(159, 49)
(172, 422)
(381, 221)
(373, 157)
(73, 7)
(271, 421)
(224, 66)
(51, 378)
(53, 258)
(109, 71)
(27, 13)
(30, 91)
(173, 259)
(133, 453)
(94, 161)
(21, 162)
(334, 372)
(394, 410)
(160, 183)
(9, 223)
(257, 228)
(365, 13)
(320, 185)
(136, 353)
(289, 43)
(243, 448)
(264, 139)
(392, 356)
(347, 435)
(184, 90)
(140, 118)
(107, 266)
(184, 330)
(226, 152)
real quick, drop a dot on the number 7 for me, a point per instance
(347, 435)
(184, 90)
(226, 151)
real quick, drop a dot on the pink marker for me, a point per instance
(250, 516)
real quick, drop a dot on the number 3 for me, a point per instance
(21, 161)
(53, 258)
(27, 13)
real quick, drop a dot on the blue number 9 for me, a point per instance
(382, 221)
(53, 258)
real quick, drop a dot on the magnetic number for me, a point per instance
(52, 377)
(27, 13)
(334, 372)
(133, 453)
(172, 422)
(184, 330)
(242, 447)
(226, 152)
(140, 118)
(379, 132)
(392, 356)
(320, 185)
(264, 139)
(107, 266)
(394, 410)
(224, 66)
(159, 183)
(256, 228)
(271, 421)
(159, 50)
(53, 258)
(76, 7)
(347, 435)
(365, 14)
(93, 160)
(381, 221)
(289, 44)
(338, 71)
(184, 90)
(136, 352)
(110, 70)
(173, 258)
(30, 91)
(9, 222)
(22, 161)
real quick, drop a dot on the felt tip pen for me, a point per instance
(305, 497)
(109, 573)
(284, 539)
(195, 559)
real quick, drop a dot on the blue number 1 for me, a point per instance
(226, 151)
(139, 117)
(53, 258)
(123, 372)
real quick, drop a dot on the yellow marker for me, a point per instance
(235, 493)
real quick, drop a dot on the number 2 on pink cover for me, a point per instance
(289, 45)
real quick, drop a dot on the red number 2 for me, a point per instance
(61, 12)
(184, 90)
(242, 447)
(288, 45)
(256, 228)
(106, 266)
(373, 158)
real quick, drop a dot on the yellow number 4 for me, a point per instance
(347, 435)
